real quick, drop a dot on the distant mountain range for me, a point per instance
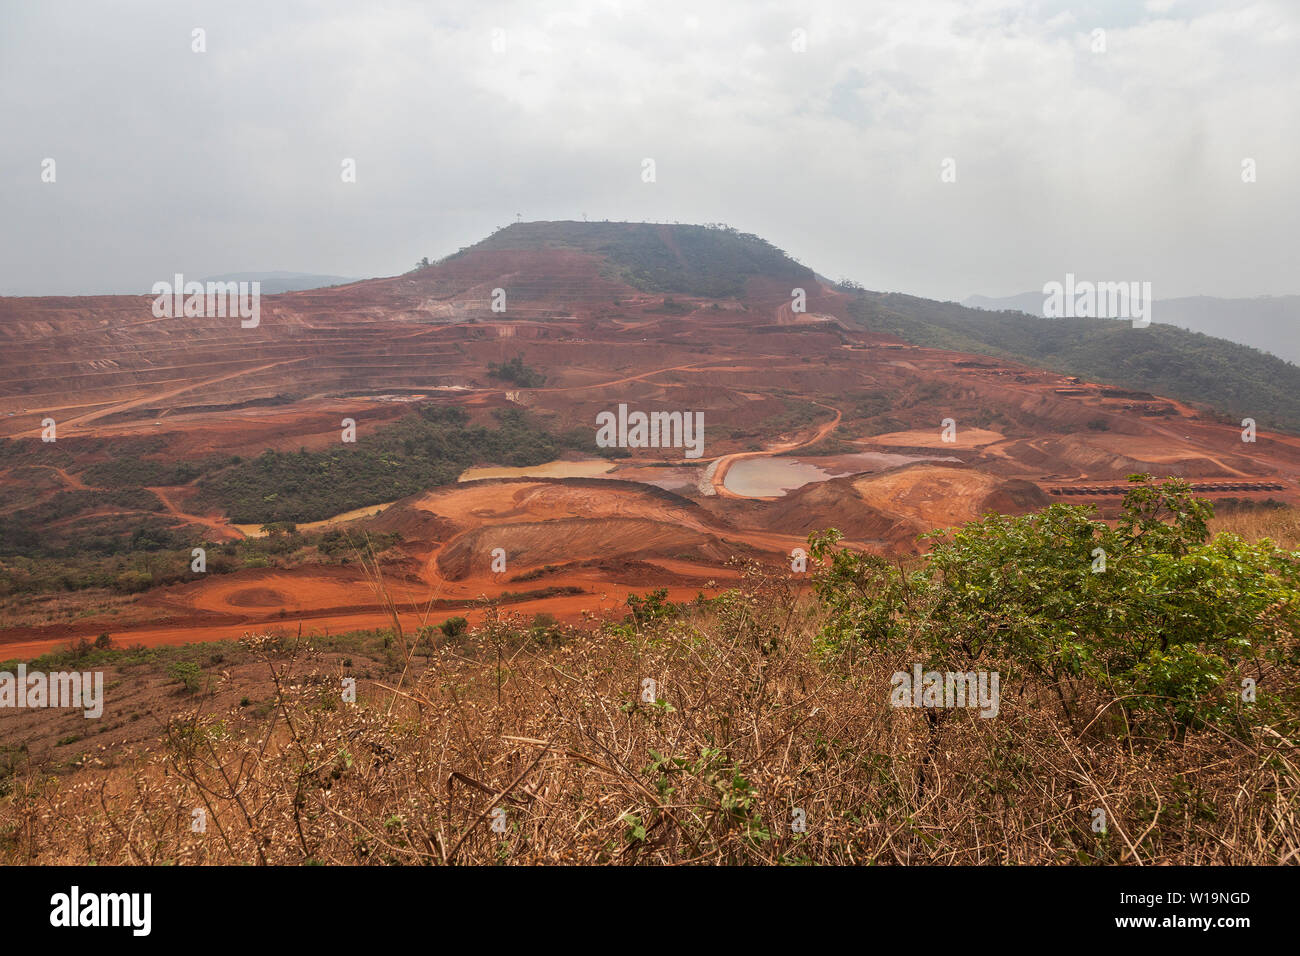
(273, 282)
(1268, 323)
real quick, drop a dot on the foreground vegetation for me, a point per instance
(757, 727)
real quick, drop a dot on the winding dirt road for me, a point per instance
(224, 530)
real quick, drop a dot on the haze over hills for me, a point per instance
(474, 386)
(1268, 323)
(273, 282)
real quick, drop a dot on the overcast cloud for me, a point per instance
(1125, 164)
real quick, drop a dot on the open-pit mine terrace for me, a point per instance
(856, 414)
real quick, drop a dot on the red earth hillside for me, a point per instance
(810, 422)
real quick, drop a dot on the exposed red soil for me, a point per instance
(103, 367)
(221, 529)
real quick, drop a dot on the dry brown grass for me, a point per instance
(40, 610)
(1280, 524)
(754, 724)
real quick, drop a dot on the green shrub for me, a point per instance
(133, 581)
(1166, 632)
(517, 373)
(188, 674)
(455, 627)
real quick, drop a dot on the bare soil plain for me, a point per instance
(121, 384)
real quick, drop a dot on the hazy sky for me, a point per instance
(1114, 165)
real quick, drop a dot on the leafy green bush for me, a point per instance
(188, 674)
(1164, 635)
(517, 373)
(133, 582)
(454, 627)
(652, 607)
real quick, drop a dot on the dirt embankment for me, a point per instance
(108, 371)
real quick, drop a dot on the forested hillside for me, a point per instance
(1234, 380)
